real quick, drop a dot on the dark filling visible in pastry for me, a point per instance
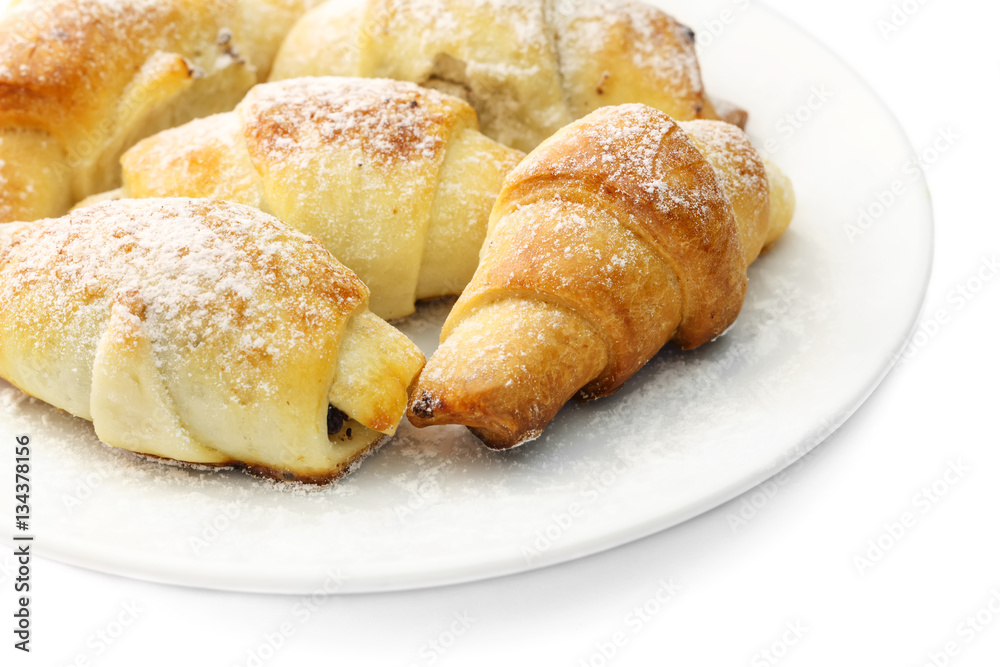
(335, 420)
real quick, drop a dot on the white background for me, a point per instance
(739, 588)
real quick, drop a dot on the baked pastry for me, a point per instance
(623, 231)
(394, 179)
(201, 331)
(82, 80)
(528, 67)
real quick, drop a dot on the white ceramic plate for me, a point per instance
(824, 320)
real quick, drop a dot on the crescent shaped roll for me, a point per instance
(201, 331)
(528, 67)
(82, 80)
(394, 179)
(622, 232)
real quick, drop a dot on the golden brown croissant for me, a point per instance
(623, 231)
(201, 331)
(528, 67)
(82, 80)
(394, 179)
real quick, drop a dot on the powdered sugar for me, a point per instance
(668, 59)
(389, 120)
(628, 147)
(524, 18)
(64, 40)
(528, 67)
(185, 272)
(95, 75)
(729, 154)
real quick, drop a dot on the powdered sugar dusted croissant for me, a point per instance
(528, 67)
(82, 80)
(201, 331)
(623, 231)
(394, 179)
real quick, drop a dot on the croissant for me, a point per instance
(82, 80)
(204, 332)
(394, 179)
(528, 67)
(622, 232)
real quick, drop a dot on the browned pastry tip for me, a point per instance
(567, 354)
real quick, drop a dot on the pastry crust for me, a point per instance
(528, 67)
(394, 179)
(201, 331)
(82, 80)
(622, 232)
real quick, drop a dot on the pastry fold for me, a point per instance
(201, 331)
(82, 80)
(528, 67)
(394, 179)
(622, 232)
